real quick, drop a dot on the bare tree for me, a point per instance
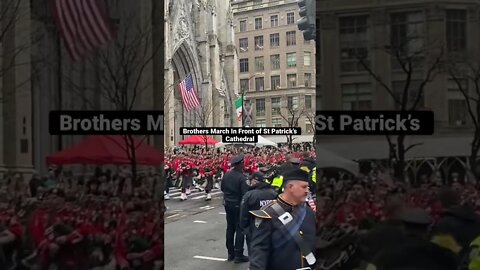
(14, 46)
(310, 116)
(121, 74)
(465, 72)
(292, 116)
(418, 62)
(204, 115)
(9, 17)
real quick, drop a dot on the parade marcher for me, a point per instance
(234, 186)
(259, 195)
(187, 179)
(208, 173)
(284, 235)
(168, 176)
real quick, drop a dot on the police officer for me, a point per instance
(234, 186)
(308, 164)
(278, 182)
(260, 194)
(284, 231)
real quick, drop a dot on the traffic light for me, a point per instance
(306, 23)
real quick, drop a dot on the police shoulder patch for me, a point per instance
(260, 214)
(269, 204)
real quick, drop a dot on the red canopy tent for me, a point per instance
(199, 139)
(106, 150)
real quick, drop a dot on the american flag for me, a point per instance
(83, 24)
(189, 97)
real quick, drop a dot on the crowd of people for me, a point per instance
(377, 222)
(203, 168)
(61, 221)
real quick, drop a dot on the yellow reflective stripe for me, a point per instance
(371, 267)
(260, 214)
(474, 263)
(448, 242)
(305, 168)
(476, 242)
(277, 181)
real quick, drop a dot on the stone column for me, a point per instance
(16, 95)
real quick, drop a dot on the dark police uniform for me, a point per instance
(259, 195)
(234, 186)
(309, 164)
(284, 235)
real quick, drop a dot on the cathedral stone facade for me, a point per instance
(199, 38)
(40, 77)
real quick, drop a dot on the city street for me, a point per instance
(196, 203)
(195, 234)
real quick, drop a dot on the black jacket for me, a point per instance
(265, 253)
(461, 222)
(234, 186)
(257, 197)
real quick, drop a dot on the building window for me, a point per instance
(260, 123)
(277, 122)
(308, 102)
(244, 85)
(260, 107)
(353, 43)
(308, 126)
(243, 43)
(258, 23)
(292, 103)
(243, 26)
(291, 80)
(307, 58)
(258, 43)
(307, 79)
(276, 106)
(356, 97)
(456, 30)
(291, 59)
(259, 84)
(457, 105)
(457, 112)
(407, 37)
(244, 65)
(274, 20)
(399, 89)
(274, 40)
(290, 18)
(291, 38)
(275, 82)
(259, 66)
(275, 61)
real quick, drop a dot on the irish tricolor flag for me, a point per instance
(239, 107)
